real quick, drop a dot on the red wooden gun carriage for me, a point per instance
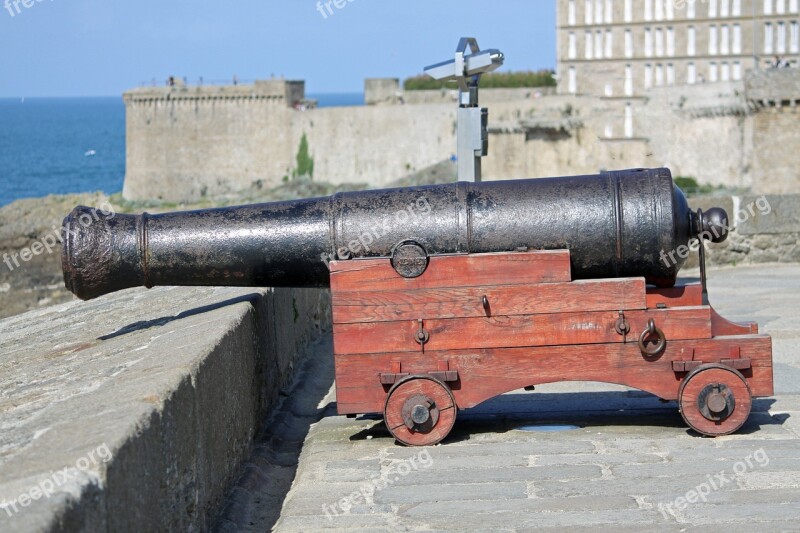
(474, 326)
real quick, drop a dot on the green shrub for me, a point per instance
(689, 185)
(494, 80)
(305, 163)
(686, 183)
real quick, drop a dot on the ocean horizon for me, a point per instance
(75, 144)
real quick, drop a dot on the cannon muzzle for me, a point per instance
(615, 224)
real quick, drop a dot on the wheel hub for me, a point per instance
(716, 401)
(420, 413)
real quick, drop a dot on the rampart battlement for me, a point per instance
(291, 92)
(774, 87)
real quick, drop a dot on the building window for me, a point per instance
(725, 72)
(628, 121)
(670, 7)
(609, 92)
(628, 80)
(712, 40)
(598, 45)
(690, 10)
(628, 43)
(659, 15)
(573, 81)
(609, 131)
(659, 42)
(628, 10)
(589, 48)
(794, 46)
(781, 48)
(737, 39)
(768, 7)
(571, 13)
(587, 15)
(724, 40)
(780, 7)
(724, 8)
(691, 41)
(670, 42)
(793, 6)
(609, 44)
(712, 8)
(659, 75)
(713, 74)
(737, 71)
(648, 76)
(736, 9)
(648, 42)
(768, 38)
(670, 74)
(691, 74)
(573, 45)
(598, 11)
(648, 9)
(609, 11)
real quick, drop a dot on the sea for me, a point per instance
(73, 145)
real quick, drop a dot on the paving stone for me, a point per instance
(741, 512)
(452, 492)
(540, 505)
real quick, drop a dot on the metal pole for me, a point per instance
(472, 120)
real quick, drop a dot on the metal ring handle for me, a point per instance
(659, 346)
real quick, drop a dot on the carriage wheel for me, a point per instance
(420, 411)
(715, 400)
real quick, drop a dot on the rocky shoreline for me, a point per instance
(26, 227)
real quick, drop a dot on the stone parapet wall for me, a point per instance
(775, 85)
(149, 399)
(287, 91)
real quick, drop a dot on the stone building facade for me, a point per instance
(623, 48)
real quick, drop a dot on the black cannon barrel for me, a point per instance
(614, 224)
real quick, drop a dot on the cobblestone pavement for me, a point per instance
(629, 465)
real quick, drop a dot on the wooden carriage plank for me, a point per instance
(486, 373)
(690, 294)
(621, 294)
(722, 326)
(525, 330)
(520, 268)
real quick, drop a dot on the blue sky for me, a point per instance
(103, 47)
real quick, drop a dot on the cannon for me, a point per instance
(447, 295)
(614, 224)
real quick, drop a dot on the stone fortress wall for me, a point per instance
(184, 143)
